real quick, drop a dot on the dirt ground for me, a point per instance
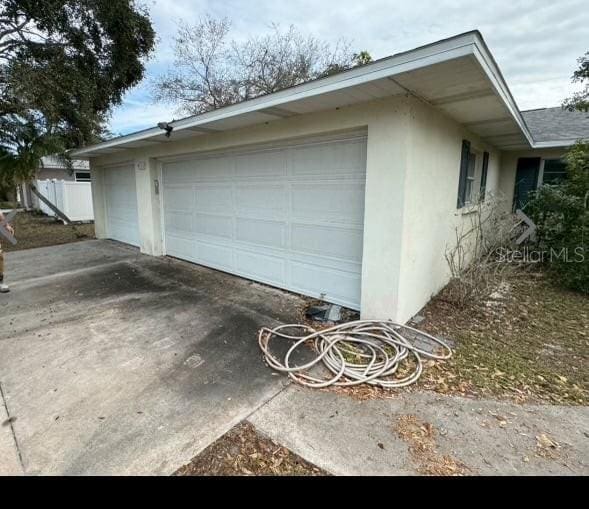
(35, 230)
(529, 342)
(243, 451)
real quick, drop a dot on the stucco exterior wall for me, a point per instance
(412, 173)
(430, 213)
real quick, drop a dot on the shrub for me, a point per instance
(561, 214)
(475, 268)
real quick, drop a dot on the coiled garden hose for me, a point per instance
(364, 351)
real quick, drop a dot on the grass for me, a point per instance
(35, 230)
(531, 344)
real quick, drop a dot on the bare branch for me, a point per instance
(209, 72)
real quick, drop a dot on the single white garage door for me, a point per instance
(290, 216)
(121, 204)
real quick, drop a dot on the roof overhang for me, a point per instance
(457, 75)
(555, 144)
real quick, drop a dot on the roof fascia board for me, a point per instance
(455, 47)
(555, 144)
(487, 62)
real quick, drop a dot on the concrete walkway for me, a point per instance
(349, 437)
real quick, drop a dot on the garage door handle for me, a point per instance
(156, 185)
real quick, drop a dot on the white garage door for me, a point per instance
(121, 204)
(291, 216)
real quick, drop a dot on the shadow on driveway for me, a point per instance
(112, 362)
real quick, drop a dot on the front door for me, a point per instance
(526, 180)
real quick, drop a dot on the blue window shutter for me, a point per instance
(463, 173)
(484, 174)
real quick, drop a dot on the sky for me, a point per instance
(536, 43)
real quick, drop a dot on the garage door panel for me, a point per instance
(315, 280)
(179, 173)
(261, 232)
(183, 171)
(270, 269)
(125, 216)
(216, 167)
(179, 222)
(272, 164)
(120, 196)
(121, 204)
(262, 200)
(181, 247)
(329, 201)
(122, 231)
(290, 217)
(213, 197)
(215, 255)
(330, 159)
(214, 225)
(180, 198)
(333, 241)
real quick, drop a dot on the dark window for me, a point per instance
(526, 180)
(465, 163)
(83, 176)
(555, 170)
(484, 174)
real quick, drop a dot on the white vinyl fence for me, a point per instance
(74, 199)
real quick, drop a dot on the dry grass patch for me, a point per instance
(421, 439)
(243, 451)
(34, 230)
(528, 342)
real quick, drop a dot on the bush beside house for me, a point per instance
(561, 214)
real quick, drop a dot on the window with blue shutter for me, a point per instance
(465, 162)
(484, 175)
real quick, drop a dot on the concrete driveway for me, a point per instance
(112, 362)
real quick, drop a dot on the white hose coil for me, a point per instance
(363, 351)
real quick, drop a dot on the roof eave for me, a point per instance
(554, 144)
(469, 43)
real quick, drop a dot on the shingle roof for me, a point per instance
(556, 124)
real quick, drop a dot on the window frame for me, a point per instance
(470, 184)
(76, 172)
(542, 170)
(474, 167)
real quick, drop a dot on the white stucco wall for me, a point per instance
(148, 206)
(98, 203)
(430, 213)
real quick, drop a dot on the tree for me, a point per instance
(210, 71)
(561, 214)
(63, 65)
(580, 100)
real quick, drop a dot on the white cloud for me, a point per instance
(536, 43)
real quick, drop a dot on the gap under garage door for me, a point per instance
(290, 216)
